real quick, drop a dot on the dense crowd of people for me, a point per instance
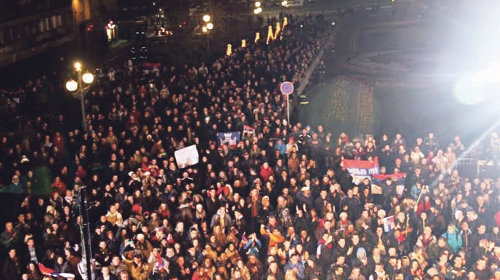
(279, 205)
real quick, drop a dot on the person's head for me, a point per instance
(451, 229)
(137, 259)
(355, 271)
(124, 275)
(105, 270)
(481, 229)
(115, 260)
(9, 226)
(30, 242)
(379, 267)
(481, 263)
(12, 253)
(441, 242)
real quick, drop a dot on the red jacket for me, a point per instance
(266, 173)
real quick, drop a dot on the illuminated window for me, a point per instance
(47, 25)
(42, 26)
(59, 20)
(54, 21)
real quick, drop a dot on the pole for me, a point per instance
(208, 45)
(82, 101)
(89, 245)
(85, 272)
(288, 108)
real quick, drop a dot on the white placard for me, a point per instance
(187, 156)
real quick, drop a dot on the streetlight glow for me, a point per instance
(257, 11)
(257, 4)
(210, 26)
(204, 29)
(71, 85)
(80, 90)
(284, 3)
(88, 78)
(206, 18)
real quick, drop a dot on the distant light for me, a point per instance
(210, 26)
(333, 23)
(284, 3)
(204, 29)
(257, 4)
(301, 26)
(206, 18)
(257, 11)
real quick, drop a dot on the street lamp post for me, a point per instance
(207, 28)
(284, 4)
(79, 89)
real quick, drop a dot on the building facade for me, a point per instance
(30, 27)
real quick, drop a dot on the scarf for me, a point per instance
(426, 240)
(323, 242)
(400, 238)
(159, 263)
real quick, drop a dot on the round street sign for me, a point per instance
(286, 88)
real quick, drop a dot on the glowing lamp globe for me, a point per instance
(88, 78)
(206, 18)
(78, 66)
(71, 85)
(210, 26)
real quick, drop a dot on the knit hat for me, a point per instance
(136, 209)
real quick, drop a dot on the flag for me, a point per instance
(378, 181)
(248, 129)
(187, 156)
(229, 138)
(361, 169)
(52, 273)
(148, 66)
(389, 223)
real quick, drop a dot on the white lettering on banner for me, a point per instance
(373, 171)
(358, 171)
(363, 171)
(228, 139)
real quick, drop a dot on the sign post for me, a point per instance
(286, 88)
